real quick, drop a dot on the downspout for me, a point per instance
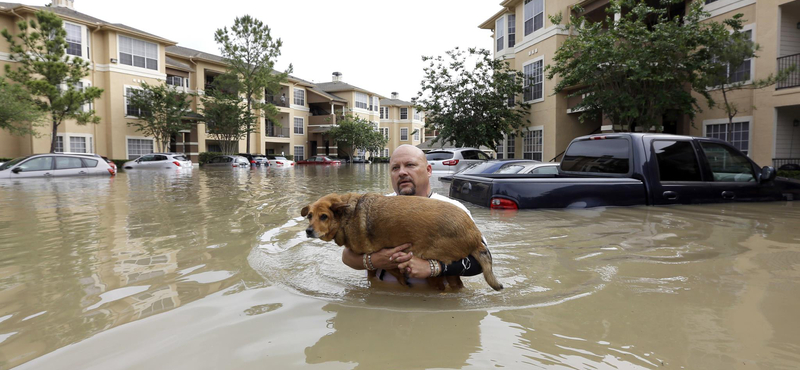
(94, 70)
(196, 106)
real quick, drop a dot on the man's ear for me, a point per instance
(338, 208)
(304, 211)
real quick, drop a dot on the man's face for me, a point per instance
(410, 173)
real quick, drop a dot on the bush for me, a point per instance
(790, 174)
(288, 156)
(119, 162)
(380, 159)
(5, 159)
(206, 156)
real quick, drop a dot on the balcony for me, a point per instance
(780, 162)
(275, 131)
(276, 101)
(794, 78)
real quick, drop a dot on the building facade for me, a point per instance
(766, 127)
(121, 58)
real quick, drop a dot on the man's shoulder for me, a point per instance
(451, 201)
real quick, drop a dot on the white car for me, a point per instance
(445, 161)
(55, 165)
(159, 160)
(280, 162)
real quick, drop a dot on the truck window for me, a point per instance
(726, 164)
(677, 161)
(599, 156)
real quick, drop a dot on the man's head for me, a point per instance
(411, 172)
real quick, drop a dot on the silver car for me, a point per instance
(228, 161)
(55, 165)
(454, 160)
(159, 160)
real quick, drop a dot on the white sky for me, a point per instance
(376, 44)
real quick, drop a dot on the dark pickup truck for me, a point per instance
(633, 169)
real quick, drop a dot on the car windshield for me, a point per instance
(510, 168)
(479, 167)
(12, 162)
(438, 156)
(281, 158)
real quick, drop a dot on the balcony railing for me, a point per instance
(276, 101)
(794, 77)
(778, 162)
(274, 131)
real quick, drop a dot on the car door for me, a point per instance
(676, 173)
(734, 176)
(160, 161)
(34, 167)
(145, 161)
(70, 166)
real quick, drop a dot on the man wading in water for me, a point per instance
(411, 175)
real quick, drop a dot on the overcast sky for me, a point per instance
(376, 44)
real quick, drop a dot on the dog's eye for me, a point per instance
(323, 217)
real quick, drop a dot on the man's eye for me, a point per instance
(323, 217)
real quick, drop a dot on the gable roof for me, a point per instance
(342, 86)
(396, 102)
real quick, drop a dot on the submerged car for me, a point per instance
(55, 165)
(454, 160)
(159, 160)
(507, 166)
(320, 159)
(261, 160)
(280, 162)
(228, 161)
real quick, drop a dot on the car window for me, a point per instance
(599, 156)
(438, 156)
(228, 159)
(677, 161)
(37, 164)
(477, 167)
(90, 163)
(180, 158)
(319, 159)
(12, 163)
(147, 158)
(726, 164)
(65, 163)
(469, 154)
(510, 168)
(280, 158)
(158, 157)
(547, 170)
(482, 156)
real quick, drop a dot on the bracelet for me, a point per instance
(433, 270)
(369, 262)
(364, 261)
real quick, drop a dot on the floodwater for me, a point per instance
(210, 269)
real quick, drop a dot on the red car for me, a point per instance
(320, 159)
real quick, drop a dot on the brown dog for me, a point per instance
(370, 222)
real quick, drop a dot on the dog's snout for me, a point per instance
(310, 232)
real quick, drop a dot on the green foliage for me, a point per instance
(287, 156)
(5, 159)
(161, 112)
(227, 119)
(119, 162)
(637, 69)
(46, 72)
(789, 174)
(379, 159)
(251, 53)
(19, 113)
(357, 133)
(207, 156)
(469, 104)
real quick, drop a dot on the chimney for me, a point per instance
(395, 95)
(337, 76)
(64, 3)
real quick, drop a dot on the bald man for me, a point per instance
(411, 175)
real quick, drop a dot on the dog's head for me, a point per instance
(324, 216)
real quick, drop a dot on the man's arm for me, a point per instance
(420, 268)
(382, 259)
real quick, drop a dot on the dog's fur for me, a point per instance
(370, 222)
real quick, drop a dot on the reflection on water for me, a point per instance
(96, 270)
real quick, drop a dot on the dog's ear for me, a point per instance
(338, 208)
(304, 211)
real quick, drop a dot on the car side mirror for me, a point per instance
(17, 170)
(768, 174)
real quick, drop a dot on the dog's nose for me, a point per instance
(310, 232)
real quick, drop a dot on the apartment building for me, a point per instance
(122, 58)
(401, 123)
(766, 127)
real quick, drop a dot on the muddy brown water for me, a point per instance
(211, 269)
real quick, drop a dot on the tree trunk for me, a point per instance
(248, 126)
(53, 136)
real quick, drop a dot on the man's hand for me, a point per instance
(416, 268)
(390, 258)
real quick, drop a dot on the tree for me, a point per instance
(251, 53)
(49, 75)
(358, 133)
(160, 112)
(639, 68)
(735, 50)
(227, 118)
(469, 105)
(19, 113)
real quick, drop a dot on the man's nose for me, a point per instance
(310, 232)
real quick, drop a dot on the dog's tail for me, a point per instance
(484, 259)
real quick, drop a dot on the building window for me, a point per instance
(512, 30)
(299, 153)
(175, 81)
(416, 114)
(139, 147)
(80, 86)
(74, 44)
(80, 144)
(386, 152)
(138, 53)
(403, 134)
(362, 100)
(739, 137)
(375, 104)
(299, 97)
(532, 145)
(534, 83)
(59, 143)
(416, 135)
(130, 110)
(384, 112)
(403, 113)
(385, 132)
(500, 149)
(298, 125)
(510, 146)
(534, 16)
(742, 73)
(499, 32)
